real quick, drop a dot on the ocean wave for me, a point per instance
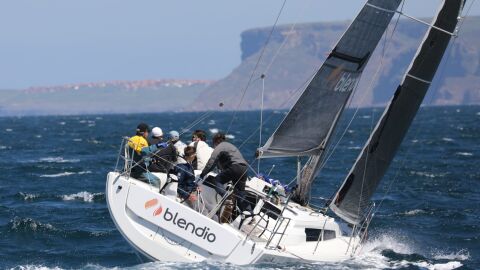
(30, 225)
(8, 130)
(461, 255)
(28, 196)
(213, 130)
(414, 212)
(354, 148)
(466, 154)
(389, 241)
(35, 267)
(3, 147)
(84, 196)
(57, 174)
(64, 174)
(427, 174)
(211, 122)
(436, 266)
(447, 139)
(58, 160)
(406, 264)
(230, 136)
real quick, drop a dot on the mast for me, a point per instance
(353, 197)
(306, 129)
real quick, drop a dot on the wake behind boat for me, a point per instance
(282, 227)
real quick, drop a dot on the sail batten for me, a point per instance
(353, 197)
(305, 129)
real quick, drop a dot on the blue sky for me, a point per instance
(53, 42)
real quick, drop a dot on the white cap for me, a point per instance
(174, 135)
(157, 132)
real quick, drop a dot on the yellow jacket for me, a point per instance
(137, 143)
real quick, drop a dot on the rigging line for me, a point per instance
(256, 65)
(196, 122)
(283, 44)
(372, 127)
(434, 92)
(387, 42)
(261, 119)
(290, 97)
(463, 19)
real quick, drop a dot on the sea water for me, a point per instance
(53, 213)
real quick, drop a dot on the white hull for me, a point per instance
(163, 229)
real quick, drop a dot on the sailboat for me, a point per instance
(161, 227)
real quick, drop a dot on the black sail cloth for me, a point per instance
(306, 127)
(352, 199)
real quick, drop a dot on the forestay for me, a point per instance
(305, 129)
(352, 199)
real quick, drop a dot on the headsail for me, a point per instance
(352, 199)
(305, 129)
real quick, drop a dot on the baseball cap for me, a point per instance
(157, 132)
(142, 127)
(174, 135)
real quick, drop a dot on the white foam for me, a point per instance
(28, 196)
(211, 122)
(414, 141)
(213, 130)
(62, 123)
(58, 160)
(448, 139)
(77, 140)
(467, 154)
(84, 172)
(426, 174)
(414, 212)
(389, 241)
(82, 196)
(8, 130)
(438, 266)
(478, 113)
(38, 136)
(34, 267)
(461, 255)
(57, 174)
(354, 147)
(3, 147)
(366, 116)
(230, 136)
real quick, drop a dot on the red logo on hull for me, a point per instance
(158, 211)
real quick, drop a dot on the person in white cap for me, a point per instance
(178, 144)
(157, 136)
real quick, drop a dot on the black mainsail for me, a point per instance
(353, 197)
(306, 129)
